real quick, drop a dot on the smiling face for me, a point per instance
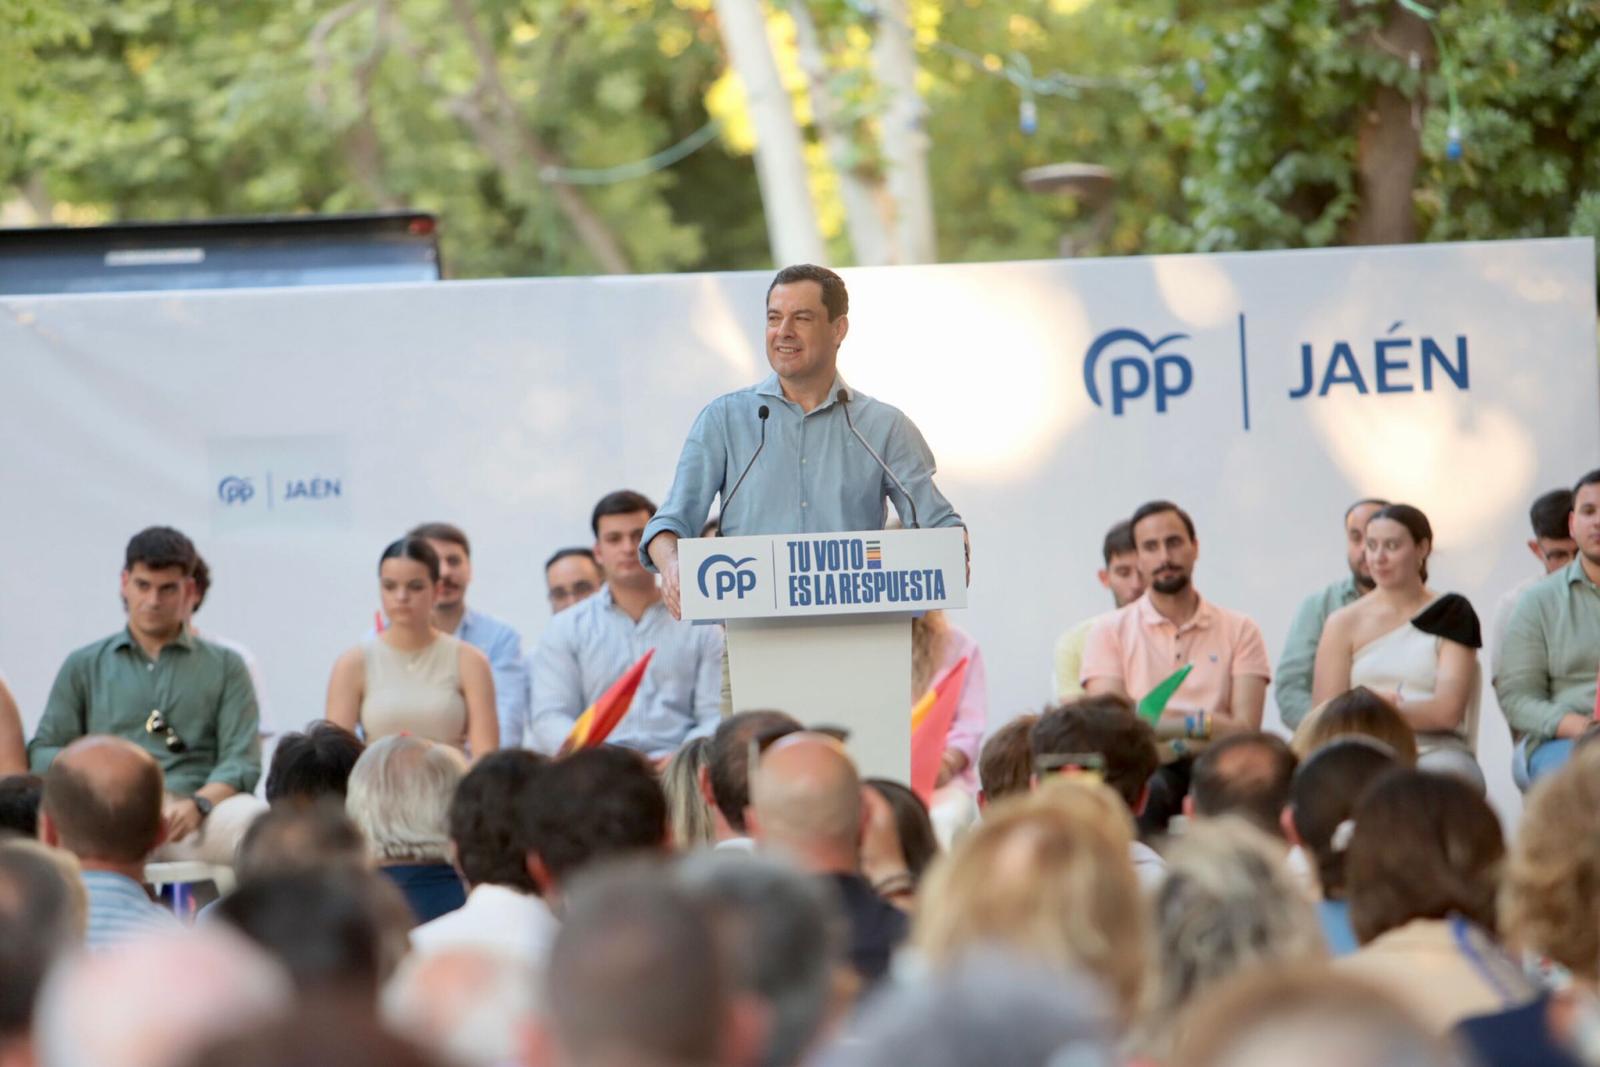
(157, 600)
(1394, 558)
(407, 589)
(802, 342)
(1167, 553)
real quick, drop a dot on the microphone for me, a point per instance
(761, 413)
(843, 396)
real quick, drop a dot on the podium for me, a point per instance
(819, 625)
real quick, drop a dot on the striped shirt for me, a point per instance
(119, 908)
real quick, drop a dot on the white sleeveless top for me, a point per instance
(414, 692)
(1407, 659)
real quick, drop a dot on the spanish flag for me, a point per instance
(601, 717)
(930, 725)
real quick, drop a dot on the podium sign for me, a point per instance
(819, 624)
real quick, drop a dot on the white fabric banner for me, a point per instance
(1262, 391)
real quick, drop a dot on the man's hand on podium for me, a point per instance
(663, 550)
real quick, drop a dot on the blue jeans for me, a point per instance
(1548, 757)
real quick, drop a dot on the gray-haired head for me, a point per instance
(399, 796)
(991, 1009)
(787, 939)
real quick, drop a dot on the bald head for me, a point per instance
(806, 799)
(102, 800)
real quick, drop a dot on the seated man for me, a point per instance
(314, 765)
(588, 647)
(1552, 545)
(1005, 766)
(1102, 737)
(571, 575)
(1121, 576)
(1244, 775)
(1546, 674)
(1295, 666)
(1169, 629)
(102, 803)
(725, 781)
(187, 702)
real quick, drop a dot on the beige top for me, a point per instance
(414, 692)
(1424, 965)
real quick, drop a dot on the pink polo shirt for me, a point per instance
(1141, 648)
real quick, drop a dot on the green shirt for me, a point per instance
(1552, 651)
(201, 689)
(1299, 659)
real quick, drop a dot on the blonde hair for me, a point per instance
(1357, 713)
(1550, 899)
(928, 633)
(688, 814)
(1047, 876)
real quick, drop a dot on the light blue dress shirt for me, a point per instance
(812, 477)
(503, 646)
(119, 909)
(590, 645)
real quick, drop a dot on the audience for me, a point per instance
(1228, 905)
(13, 746)
(1357, 713)
(301, 837)
(806, 806)
(937, 645)
(412, 677)
(1100, 736)
(1552, 545)
(571, 575)
(400, 790)
(726, 782)
(500, 644)
(689, 811)
(472, 1006)
(899, 842)
(594, 805)
(1422, 873)
(19, 803)
(38, 927)
(312, 766)
(1005, 766)
(1416, 647)
(503, 912)
(588, 647)
(1132, 651)
(316, 1035)
(786, 942)
(1298, 662)
(1322, 796)
(1545, 677)
(1246, 775)
(186, 702)
(1121, 577)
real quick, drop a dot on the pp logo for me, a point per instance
(1134, 374)
(235, 490)
(729, 577)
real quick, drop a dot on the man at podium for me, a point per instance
(801, 452)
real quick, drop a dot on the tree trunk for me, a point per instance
(780, 156)
(905, 135)
(1389, 143)
(861, 191)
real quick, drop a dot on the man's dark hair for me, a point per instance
(1118, 542)
(323, 1033)
(594, 804)
(622, 502)
(1425, 846)
(160, 547)
(1592, 478)
(835, 298)
(1549, 515)
(730, 757)
(442, 531)
(1005, 763)
(19, 803)
(1365, 501)
(37, 926)
(121, 827)
(202, 581)
(412, 548)
(1322, 795)
(1105, 725)
(483, 819)
(1246, 775)
(331, 929)
(314, 836)
(563, 553)
(1157, 507)
(314, 764)
(912, 825)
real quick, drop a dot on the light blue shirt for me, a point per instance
(119, 908)
(503, 646)
(590, 645)
(812, 477)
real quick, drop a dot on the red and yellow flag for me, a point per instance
(930, 725)
(601, 717)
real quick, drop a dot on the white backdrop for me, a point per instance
(509, 407)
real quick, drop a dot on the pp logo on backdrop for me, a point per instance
(1137, 368)
(729, 576)
(235, 490)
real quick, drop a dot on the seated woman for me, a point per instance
(1414, 647)
(1358, 713)
(411, 678)
(899, 841)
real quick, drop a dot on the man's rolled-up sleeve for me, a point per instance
(66, 715)
(238, 728)
(909, 456)
(702, 470)
(1523, 682)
